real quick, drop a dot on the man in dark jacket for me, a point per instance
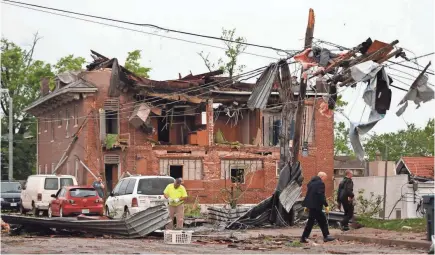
(345, 198)
(314, 202)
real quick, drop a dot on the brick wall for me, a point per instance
(143, 158)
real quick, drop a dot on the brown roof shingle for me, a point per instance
(420, 166)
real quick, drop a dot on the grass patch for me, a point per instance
(295, 244)
(417, 225)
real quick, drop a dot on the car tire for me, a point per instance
(22, 210)
(50, 212)
(126, 213)
(35, 211)
(107, 212)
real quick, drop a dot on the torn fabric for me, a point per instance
(365, 71)
(419, 93)
(322, 56)
(360, 129)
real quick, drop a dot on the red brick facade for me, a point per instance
(141, 157)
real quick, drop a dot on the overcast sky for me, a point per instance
(280, 24)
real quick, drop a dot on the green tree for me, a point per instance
(229, 64)
(21, 75)
(341, 133)
(132, 64)
(69, 63)
(412, 141)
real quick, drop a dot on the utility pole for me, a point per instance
(11, 136)
(385, 180)
(303, 89)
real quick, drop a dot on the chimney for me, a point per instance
(45, 86)
(378, 156)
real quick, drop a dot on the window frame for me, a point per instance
(52, 123)
(237, 168)
(76, 118)
(59, 119)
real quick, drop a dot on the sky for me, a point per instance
(279, 24)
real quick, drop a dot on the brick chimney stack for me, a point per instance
(45, 86)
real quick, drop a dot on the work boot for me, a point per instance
(328, 239)
(304, 240)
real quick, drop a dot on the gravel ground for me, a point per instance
(76, 245)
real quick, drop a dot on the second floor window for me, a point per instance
(52, 122)
(67, 122)
(76, 117)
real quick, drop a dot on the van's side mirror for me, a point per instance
(53, 195)
(112, 194)
(23, 187)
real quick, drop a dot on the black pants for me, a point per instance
(319, 216)
(348, 213)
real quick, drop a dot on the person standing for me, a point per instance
(314, 202)
(99, 186)
(345, 198)
(176, 194)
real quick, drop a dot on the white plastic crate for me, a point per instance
(178, 237)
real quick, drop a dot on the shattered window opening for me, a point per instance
(112, 122)
(237, 175)
(192, 168)
(176, 171)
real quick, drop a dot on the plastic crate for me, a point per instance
(178, 237)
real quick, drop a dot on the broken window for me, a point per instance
(237, 175)
(111, 108)
(39, 169)
(46, 169)
(191, 168)
(248, 165)
(176, 171)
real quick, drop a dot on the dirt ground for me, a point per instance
(76, 245)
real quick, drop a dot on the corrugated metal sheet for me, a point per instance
(263, 88)
(138, 225)
(289, 195)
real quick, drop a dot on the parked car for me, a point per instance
(137, 193)
(36, 194)
(76, 200)
(10, 196)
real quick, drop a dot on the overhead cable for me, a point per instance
(149, 25)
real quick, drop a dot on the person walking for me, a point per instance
(99, 186)
(345, 198)
(176, 194)
(314, 202)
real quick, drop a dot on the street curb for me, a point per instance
(363, 239)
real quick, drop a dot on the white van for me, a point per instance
(36, 194)
(136, 193)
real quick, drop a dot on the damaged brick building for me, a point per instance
(107, 120)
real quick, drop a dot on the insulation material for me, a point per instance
(140, 115)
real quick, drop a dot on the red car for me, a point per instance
(75, 200)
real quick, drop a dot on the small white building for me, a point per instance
(404, 190)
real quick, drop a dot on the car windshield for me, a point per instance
(8, 187)
(153, 186)
(83, 192)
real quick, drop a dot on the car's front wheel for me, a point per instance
(50, 212)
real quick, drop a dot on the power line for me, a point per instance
(143, 32)
(150, 25)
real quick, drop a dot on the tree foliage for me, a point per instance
(229, 64)
(21, 75)
(132, 64)
(412, 141)
(341, 133)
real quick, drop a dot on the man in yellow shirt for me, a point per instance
(176, 194)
